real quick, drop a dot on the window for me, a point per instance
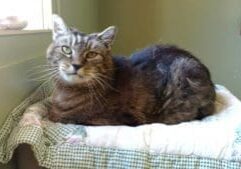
(36, 13)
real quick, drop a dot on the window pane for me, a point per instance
(36, 12)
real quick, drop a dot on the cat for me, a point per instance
(159, 84)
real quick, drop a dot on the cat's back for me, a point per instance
(167, 61)
(181, 82)
(156, 54)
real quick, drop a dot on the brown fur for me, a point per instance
(130, 98)
(160, 84)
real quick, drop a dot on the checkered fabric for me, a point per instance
(52, 152)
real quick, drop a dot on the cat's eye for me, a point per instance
(67, 50)
(91, 55)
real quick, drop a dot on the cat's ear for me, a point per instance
(108, 35)
(59, 27)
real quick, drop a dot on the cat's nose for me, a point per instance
(76, 66)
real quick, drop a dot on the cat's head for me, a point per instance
(77, 57)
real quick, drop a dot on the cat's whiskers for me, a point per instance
(91, 96)
(105, 82)
(47, 76)
(41, 73)
(96, 94)
(100, 87)
(99, 82)
(110, 69)
(50, 78)
(43, 65)
(42, 68)
(56, 81)
(104, 76)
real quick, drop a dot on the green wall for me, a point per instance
(20, 53)
(82, 14)
(208, 28)
(135, 21)
(211, 29)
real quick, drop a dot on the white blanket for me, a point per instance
(216, 136)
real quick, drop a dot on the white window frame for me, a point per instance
(47, 9)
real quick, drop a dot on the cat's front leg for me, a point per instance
(58, 116)
(55, 117)
(34, 114)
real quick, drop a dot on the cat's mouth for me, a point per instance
(72, 74)
(72, 77)
(75, 74)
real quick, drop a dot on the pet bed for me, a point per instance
(214, 142)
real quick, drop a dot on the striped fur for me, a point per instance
(161, 83)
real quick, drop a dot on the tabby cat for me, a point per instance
(159, 84)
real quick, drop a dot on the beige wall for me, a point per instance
(208, 28)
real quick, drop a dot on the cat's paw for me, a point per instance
(30, 119)
(33, 115)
